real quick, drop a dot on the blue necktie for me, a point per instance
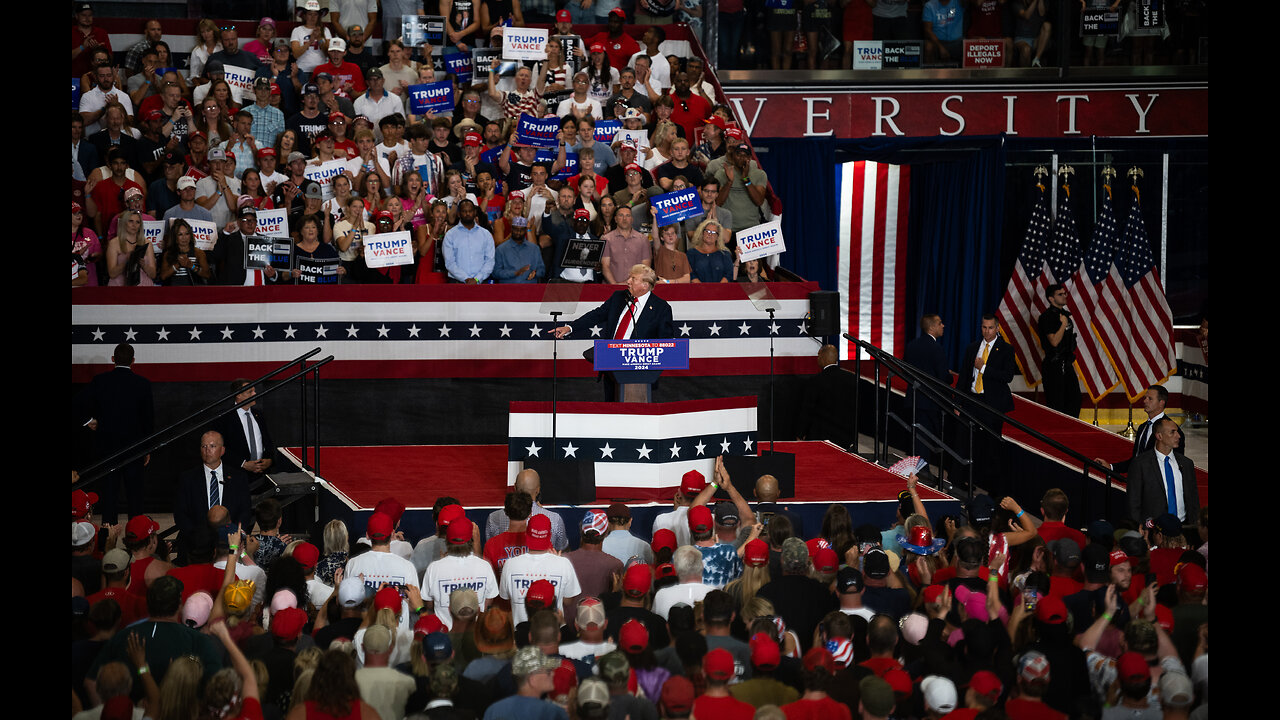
(213, 488)
(1170, 488)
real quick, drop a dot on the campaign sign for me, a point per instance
(273, 223)
(321, 271)
(204, 234)
(640, 136)
(538, 132)
(868, 54)
(983, 53)
(1099, 21)
(582, 253)
(75, 94)
(324, 174)
(482, 61)
(431, 97)
(1151, 16)
(568, 46)
(674, 207)
(419, 29)
(524, 44)
(387, 249)
(262, 252)
(761, 241)
(607, 130)
(153, 231)
(902, 54)
(614, 355)
(241, 82)
(570, 167)
(459, 64)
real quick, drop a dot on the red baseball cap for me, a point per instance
(538, 534)
(718, 665)
(473, 139)
(458, 532)
(691, 483)
(633, 637)
(764, 652)
(619, 12)
(825, 561)
(757, 553)
(428, 624)
(287, 624)
(814, 544)
(541, 594)
(581, 214)
(986, 684)
(81, 502)
(677, 695)
(380, 527)
(1132, 668)
(664, 571)
(700, 519)
(562, 15)
(663, 538)
(387, 597)
(266, 152)
(1191, 578)
(1051, 610)
(336, 115)
(638, 579)
(392, 507)
(307, 555)
(818, 657)
(140, 527)
(449, 513)
(597, 47)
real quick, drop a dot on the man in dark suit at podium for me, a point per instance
(827, 410)
(631, 314)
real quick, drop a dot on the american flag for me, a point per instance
(1024, 298)
(871, 272)
(1092, 362)
(1143, 316)
(1094, 282)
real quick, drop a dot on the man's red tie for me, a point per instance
(625, 322)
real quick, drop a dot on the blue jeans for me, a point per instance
(731, 25)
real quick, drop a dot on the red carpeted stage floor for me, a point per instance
(477, 475)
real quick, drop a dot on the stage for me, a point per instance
(355, 478)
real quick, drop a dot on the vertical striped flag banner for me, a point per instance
(1092, 364)
(873, 199)
(1091, 281)
(1024, 299)
(1141, 310)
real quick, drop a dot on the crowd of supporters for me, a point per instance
(720, 609)
(171, 167)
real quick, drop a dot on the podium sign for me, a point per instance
(623, 355)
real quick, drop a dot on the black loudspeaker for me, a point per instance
(824, 313)
(565, 482)
(744, 469)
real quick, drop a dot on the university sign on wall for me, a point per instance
(1027, 111)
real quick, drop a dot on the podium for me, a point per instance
(637, 364)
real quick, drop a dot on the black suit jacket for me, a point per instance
(1144, 440)
(120, 400)
(228, 255)
(191, 506)
(827, 411)
(1146, 491)
(654, 321)
(996, 376)
(237, 443)
(926, 354)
